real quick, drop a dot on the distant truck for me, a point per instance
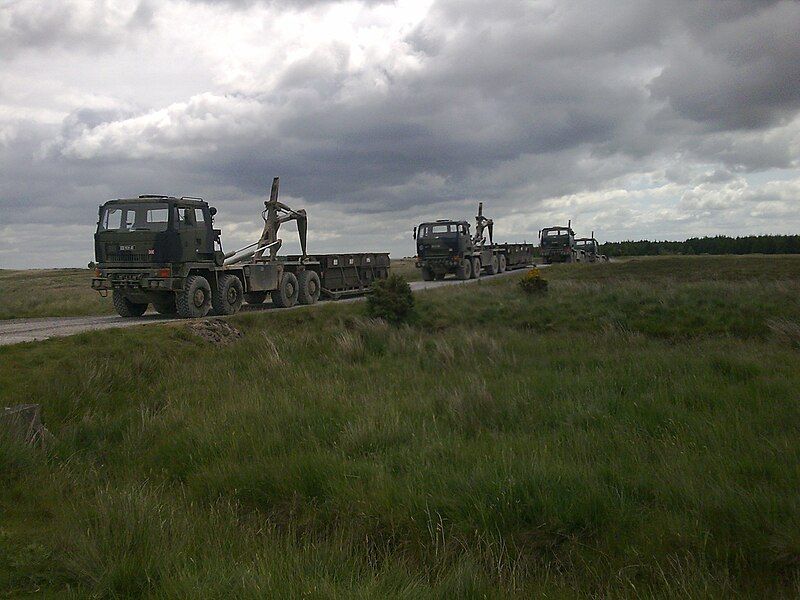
(557, 245)
(164, 251)
(591, 249)
(447, 247)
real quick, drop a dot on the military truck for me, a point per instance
(591, 249)
(557, 245)
(447, 247)
(165, 251)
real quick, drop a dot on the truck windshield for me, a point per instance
(438, 230)
(554, 233)
(135, 217)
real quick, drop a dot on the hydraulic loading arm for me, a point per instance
(275, 214)
(481, 224)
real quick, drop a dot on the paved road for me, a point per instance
(14, 331)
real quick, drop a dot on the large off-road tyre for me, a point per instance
(227, 298)
(491, 268)
(464, 269)
(194, 300)
(165, 305)
(439, 276)
(476, 268)
(126, 308)
(427, 274)
(255, 297)
(501, 263)
(309, 287)
(286, 294)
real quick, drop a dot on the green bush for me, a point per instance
(391, 299)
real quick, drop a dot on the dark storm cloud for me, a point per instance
(740, 74)
(512, 102)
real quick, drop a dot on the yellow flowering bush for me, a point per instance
(533, 283)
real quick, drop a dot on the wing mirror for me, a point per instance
(415, 233)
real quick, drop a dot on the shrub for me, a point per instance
(391, 299)
(533, 283)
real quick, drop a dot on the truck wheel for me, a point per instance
(227, 298)
(308, 287)
(286, 294)
(464, 269)
(194, 300)
(165, 305)
(255, 297)
(427, 274)
(476, 268)
(501, 263)
(491, 268)
(126, 308)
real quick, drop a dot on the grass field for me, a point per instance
(68, 292)
(50, 293)
(634, 433)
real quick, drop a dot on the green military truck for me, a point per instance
(557, 245)
(590, 249)
(164, 251)
(447, 247)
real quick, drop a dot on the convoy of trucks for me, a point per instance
(164, 251)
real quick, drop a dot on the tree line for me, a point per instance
(720, 244)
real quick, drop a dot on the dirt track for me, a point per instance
(15, 331)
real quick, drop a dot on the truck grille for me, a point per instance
(132, 257)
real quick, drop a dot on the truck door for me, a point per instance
(194, 227)
(205, 235)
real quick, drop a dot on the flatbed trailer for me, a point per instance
(515, 256)
(163, 251)
(349, 274)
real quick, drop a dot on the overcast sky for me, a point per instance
(641, 119)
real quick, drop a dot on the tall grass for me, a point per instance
(625, 435)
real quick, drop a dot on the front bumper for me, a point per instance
(131, 281)
(438, 261)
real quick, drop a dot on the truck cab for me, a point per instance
(154, 230)
(146, 247)
(557, 244)
(443, 247)
(590, 249)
